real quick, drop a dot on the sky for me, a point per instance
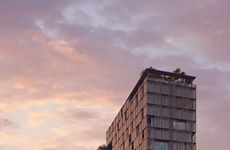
(66, 67)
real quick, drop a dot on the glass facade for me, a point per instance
(178, 125)
(171, 116)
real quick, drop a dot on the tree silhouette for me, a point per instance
(104, 147)
(177, 71)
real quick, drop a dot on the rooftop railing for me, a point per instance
(175, 82)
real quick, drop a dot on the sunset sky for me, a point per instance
(67, 66)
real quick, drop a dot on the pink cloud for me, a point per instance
(90, 57)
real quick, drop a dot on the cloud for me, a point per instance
(6, 125)
(68, 66)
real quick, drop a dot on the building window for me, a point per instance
(118, 128)
(161, 146)
(131, 127)
(150, 86)
(161, 123)
(165, 101)
(149, 121)
(179, 125)
(182, 146)
(123, 146)
(127, 132)
(165, 89)
(126, 116)
(142, 92)
(182, 136)
(157, 99)
(143, 135)
(157, 87)
(142, 113)
(159, 134)
(115, 138)
(150, 98)
(130, 138)
(194, 138)
(137, 130)
(136, 100)
(132, 146)
(183, 114)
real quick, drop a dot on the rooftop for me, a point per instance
(173, 77)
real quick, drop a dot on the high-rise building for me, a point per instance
(159, 114)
